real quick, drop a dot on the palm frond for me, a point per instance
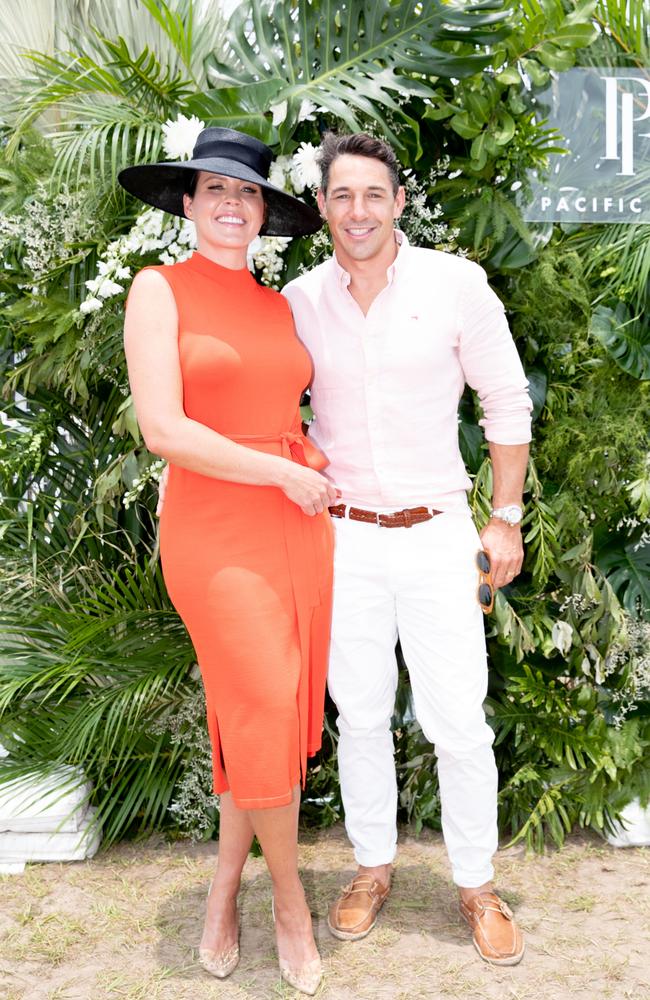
(23, 27)
(99, 142)
(181, 32)
(50, 499)
(109, 101)
(625, 34)
(83, 680)
(621, 253)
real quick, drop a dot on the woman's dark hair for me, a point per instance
(357, 144)
(191, 180)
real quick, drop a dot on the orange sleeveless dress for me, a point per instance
(248, 572)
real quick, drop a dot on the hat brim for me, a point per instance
(162, 185)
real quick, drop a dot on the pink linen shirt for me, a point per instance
(387, 385)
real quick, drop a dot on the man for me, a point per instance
(395, 332)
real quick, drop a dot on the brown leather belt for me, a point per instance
(400, 519)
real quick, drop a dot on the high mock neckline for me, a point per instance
(219, 272)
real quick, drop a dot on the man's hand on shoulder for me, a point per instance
(504, 545)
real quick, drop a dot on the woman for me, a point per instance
(216, 373)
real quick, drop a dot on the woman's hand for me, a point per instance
(309, 489)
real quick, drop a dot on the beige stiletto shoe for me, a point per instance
(219, 963)
(305, 979)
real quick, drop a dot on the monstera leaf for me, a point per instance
(243, 108)
(625, 337)
(626, 564)
(356, 58)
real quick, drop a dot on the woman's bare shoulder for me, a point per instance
(150, 279)
(151, 291)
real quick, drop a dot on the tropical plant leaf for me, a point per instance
(359, 59)
(243, 108)
(626, 564)
(625, 337)
(470, 435)
(50, 501)
(514, 251)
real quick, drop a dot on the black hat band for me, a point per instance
(224, 150)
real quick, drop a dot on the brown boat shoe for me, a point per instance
(354, 914)
(496, 936)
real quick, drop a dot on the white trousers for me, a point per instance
(419, 583)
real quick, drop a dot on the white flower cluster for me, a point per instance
(48, 229)
(152, 473)
(265, 255)
(194, 806)
(321, 248)
(295, 173)
(153, 230)
(420, 220)
(578, 603)
(629, 656)
(10, 230)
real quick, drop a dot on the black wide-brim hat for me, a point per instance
(233, 154)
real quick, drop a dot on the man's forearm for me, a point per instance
(509, 463)
(503, 541)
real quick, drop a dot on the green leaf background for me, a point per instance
(95, 666)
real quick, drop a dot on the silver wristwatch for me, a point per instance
(512, 514)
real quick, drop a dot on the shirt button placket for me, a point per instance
(372, 345)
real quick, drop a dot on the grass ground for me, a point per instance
(124, 927)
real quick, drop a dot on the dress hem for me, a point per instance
(272, 802)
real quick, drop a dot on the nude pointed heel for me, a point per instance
(219, 963)
(307, 978)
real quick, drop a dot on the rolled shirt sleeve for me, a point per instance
(490, 362)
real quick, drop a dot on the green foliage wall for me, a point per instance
(95, 667)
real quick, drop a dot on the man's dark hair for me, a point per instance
(357, 144)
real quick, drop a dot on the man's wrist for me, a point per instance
(510, 514)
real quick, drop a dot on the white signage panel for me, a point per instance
(604, 116)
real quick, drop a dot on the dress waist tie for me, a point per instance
(302, 553)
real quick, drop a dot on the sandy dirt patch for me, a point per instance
(125, 925)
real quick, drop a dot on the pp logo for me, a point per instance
(620, 121)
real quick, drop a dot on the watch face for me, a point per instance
(511, 514)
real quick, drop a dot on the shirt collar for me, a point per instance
(343, 277)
